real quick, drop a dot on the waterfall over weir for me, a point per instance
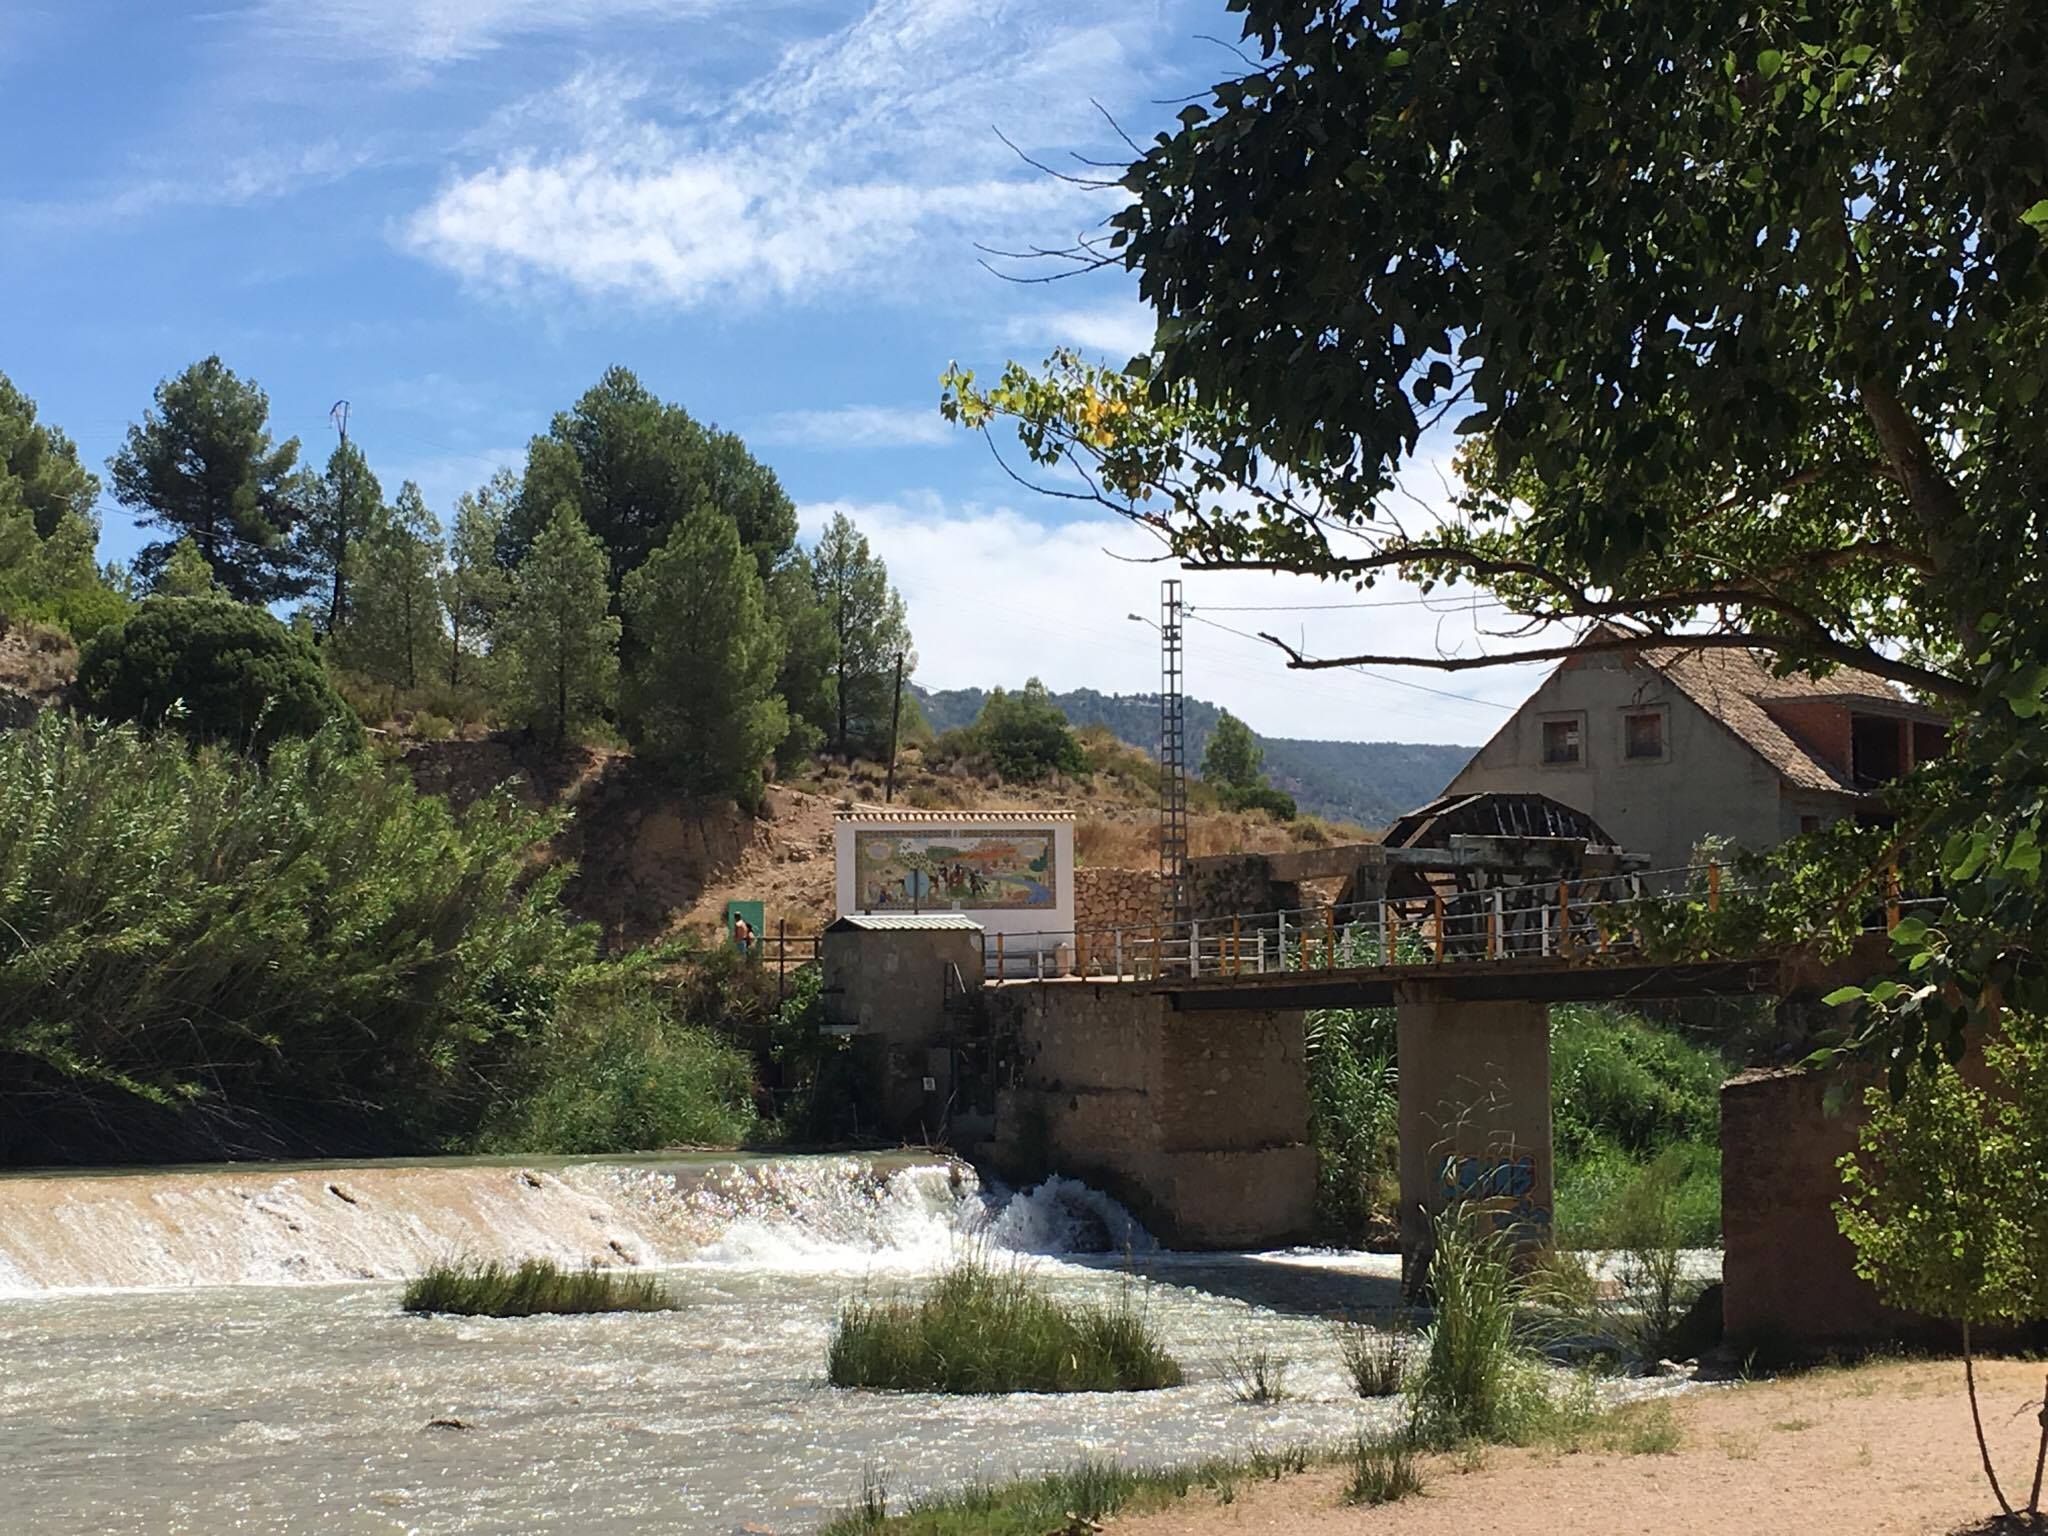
(258, 1225)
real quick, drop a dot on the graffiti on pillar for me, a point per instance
(1504, 1186)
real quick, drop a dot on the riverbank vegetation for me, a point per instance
(978, 1329)
(209, 954)
(530, 1288)
(1635, 1117)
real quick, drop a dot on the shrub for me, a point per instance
(1375, 1354)
(226, 956)
(1276, 803)
(1256, 1372)
(530, 1288)
(1026, 736)
(1353, 1121)
(219, 670)
(615, 1071)
(975, 1330)
(1383, 1470)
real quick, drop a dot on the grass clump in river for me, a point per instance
(487, 1288)
(978, 1330)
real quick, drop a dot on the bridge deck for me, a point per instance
(1542, 979)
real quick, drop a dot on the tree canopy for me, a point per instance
(560, 641)
(1738, 308)
(341, 507)
(203, 464)
(1233, 759)
(701, 697)
(869, 632)
(1026, 736)
(40, 472)
(632, 465)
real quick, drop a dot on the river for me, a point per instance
(222, 1350)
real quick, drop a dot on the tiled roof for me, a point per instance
(1735, 685)
(960, 818)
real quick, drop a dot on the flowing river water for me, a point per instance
(222, 1351)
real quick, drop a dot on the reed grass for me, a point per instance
(1074, 1498)
(1375, 1353)
(1476, 1378)
(487, 1288)
(976, 1329)
(1383, 1470)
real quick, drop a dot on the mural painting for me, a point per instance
(950, 871)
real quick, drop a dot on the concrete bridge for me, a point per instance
(1167, 1063)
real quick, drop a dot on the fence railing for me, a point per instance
(1584, 919)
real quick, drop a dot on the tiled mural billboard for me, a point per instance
(971, 870)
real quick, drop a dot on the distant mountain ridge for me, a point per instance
(1369, 782)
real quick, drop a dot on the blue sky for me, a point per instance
(457, 213)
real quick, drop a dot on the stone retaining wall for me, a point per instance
(1108, 899)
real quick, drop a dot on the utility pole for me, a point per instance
(895, 720)
(1174, 897)
(338, 414)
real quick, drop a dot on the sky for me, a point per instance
(455, 214)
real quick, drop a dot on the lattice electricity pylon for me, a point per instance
(1174, 896)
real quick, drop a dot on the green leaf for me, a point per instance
(1910, 930)
(2037, 216)
(1769, 62)
(1841, 995)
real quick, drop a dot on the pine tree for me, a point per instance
(393, 633)
(701, 697)
(342, 506)
(559, 639)
(186, 574)
(869, 631)
(202, 464)
(805, 677)
(40, 472)
(474, 587)
(1233, 759)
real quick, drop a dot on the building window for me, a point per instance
(1642, 736)
(1561, 741)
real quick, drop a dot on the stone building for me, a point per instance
(1667, 746)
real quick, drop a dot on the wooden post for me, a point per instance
(1393, 933)
(1891, 896)
(1437, 912)
(1714, 886)
(1330, 937)
(1236, 946)
(1002, 971)
(1564, 918)
(1283, 941)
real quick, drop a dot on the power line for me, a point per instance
(1380, 677)
(1451, 605)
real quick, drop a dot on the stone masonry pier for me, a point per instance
(1197, 1121)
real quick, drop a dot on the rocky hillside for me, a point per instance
(1368, 782)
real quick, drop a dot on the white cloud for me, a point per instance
(1118, 330)
(429, 32)
(865, 157)
(996, 597)
(857, 426)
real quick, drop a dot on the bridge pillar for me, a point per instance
(1198, 1120)
(1474, 1116)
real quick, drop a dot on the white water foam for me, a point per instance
(807, 1214)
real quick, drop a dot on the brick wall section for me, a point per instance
(1788, 1275)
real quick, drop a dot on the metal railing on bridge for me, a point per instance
(1586, 920)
